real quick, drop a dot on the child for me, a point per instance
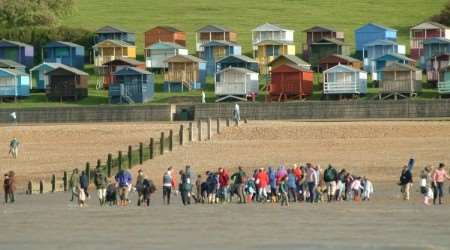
(367, 189)
(283, 192)
(425, 186)
(251, 189)
(81, 197)
(356, 188)
(111, 194)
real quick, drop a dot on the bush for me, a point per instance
(444, 16)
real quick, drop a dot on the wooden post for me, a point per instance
(181, 135)
(53, 181)
(161, 144)
(199, 128)
(87, 171)
(191, 132)
(236, 123)
(30, 188)
(109, 164)
(209, 129)
(130, 156)
(141, 153)
(152, 147)
(41, 187)
(120, 160)
(65, 181)
(218, 125)
(228, 122)
(170, 140)
(245, 121)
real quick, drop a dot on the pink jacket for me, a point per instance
(440, 175)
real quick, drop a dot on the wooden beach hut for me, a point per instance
(184, 72)
(423, 32)
(377, 49)
(316, 34)
(268, 50)
(109, 50)
(114, 33)
(400, 80)
(372, 32)
(326, 47)
(131, 85)
(344, 80)
(385, 60)
(335, 59)
(290, 82)
(67, 82)
(67, 53)
(288, 59)
(271, 32)
(157, 53)
(216, 50)
(213, 33)
(38, 77)
(444, 80)
(14, 83)
(237, 61)
(167, 34)
(435, 51)
(16, 51)
(109, 68)
(236, 83)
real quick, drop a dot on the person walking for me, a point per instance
(329, 176)
(185, 188)
(262, 180)
(341, 177)
(74, 183)
(439, 177)
(167, 187)
(292, 186)
(100, 182)
(236, 113)
(426, 183)
(311, 177)
(406, 180)
(239, 180)
(6, 187)
(140, 186)
(224, 190)
(84, 183)
(14, 145)
(283, 189)
(367, 189)
(123, 180)
(273, 185)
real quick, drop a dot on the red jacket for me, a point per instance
(298, 173)
(263, 179)
(223, 179)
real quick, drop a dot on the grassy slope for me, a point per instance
(241, 16)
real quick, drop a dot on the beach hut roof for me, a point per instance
(14, 72)
(6, 63)
(111, 29)
(119, 43)
(241, 70)
(342, 68)
(132, 71)
(396, 56)
(429, 25)
(168, 28)
(15, 43)
(293, 59)
(326, 40)
(69, 69)
(395, 66)
(184, 58)
(379, 42)
(379, 26)
(343, 57)
(62, 44)
(240, 57)
(213, 28)
(219, 43)
(437, 40)
(320, 28)
(129, 61)
(165, 45)
(270, 27)
(274, 42)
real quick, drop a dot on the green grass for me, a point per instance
(242, 16)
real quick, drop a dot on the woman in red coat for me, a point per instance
(262, 180)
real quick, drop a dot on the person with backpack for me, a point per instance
(329, 176)
(406, 180)
(239, 180)
(100, 182)
(84, 183)
(148, 189)
(167, 186)
(123, 179)
(185, 188)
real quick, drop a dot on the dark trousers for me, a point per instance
(292, 194)
(185, 198)
(438, 191)
(166, 194)
(312, 191)
(9, 196)
(241, 193)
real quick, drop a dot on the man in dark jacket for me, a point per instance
(185, 188)
(101, 182)
(329, 177)
(84, 183)
(406, 180)
(239, 181)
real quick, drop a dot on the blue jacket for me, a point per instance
(84, 182)
(123, 178)
(272, 178)
(291, 181)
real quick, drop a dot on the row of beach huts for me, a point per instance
(236, 76)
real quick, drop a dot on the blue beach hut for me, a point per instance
(67, 53)
(131, 85)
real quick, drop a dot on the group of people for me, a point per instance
(431, 183)
(9, 186)
(284, 185)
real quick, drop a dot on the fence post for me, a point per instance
(161, 144)
(120, 160)
(109, 165)
(88, 171)
(152, 147)
(65, 181)
(141, 153)
(30, 188)
(130, 156)
(209, 129)
(41, 187)
(199, 127)
(236, 122)
(218, 125)
(228, 122)
(191, 132)
(53, 181)
(245, 121)
(170, 140)
(181, 135)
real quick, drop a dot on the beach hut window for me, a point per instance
(60, 52)
(11, 53)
